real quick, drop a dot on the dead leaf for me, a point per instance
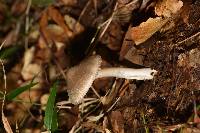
(12, 36)
(182, 60)
(107, 131)
(43, 100)
(59, 32)
(18, 7)
(185, 12)
(167, 8)
(28, 56)
(6, 124)
(146, 29)
(190, 130)
(43, 24)
(56, 33)
(126, 45)
(58, 18)
(194, 56)
(32, 95)
(3, 9)
(74, 26)
(69, 2)
(189, 60)
(34, 35)
(31, 70)
(44, 53)
(113, 36)
(117, 122)
(169, 25)
(135, 56)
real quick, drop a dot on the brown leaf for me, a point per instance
(135, 56)
(126, 45)
(167, 8)
(43, 24)
(11, 37)
(185, 13)
(146, 29)
(74, 26)
(69, 2)
(50, 34)
(19, 7)
(58, 18)
(6, 124)
(189, 60)
(56, 33)
(117, 121)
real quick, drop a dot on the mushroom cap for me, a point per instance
(81, 77)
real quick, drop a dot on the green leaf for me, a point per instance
(54, 125)
(50, 118)
(11, 95)
(42, 2)
(6, 53)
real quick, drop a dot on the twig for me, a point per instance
(108, 22)
(83, 11)
(99, 28)
(95, 92)
(27, 22)
(190, 40)
(4, 119)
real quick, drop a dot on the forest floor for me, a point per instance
(42, 40)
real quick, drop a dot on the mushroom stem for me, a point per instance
(128, 73)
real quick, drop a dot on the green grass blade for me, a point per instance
(6, 53)
(54, 125)
(50, 118)
(42, 2)
(11, 95)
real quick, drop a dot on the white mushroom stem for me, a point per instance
(127, 73)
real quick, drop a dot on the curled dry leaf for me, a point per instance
(146, 29)
(167, 8)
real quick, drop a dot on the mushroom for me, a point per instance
(81, 77)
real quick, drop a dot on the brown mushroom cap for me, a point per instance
(81, 77)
